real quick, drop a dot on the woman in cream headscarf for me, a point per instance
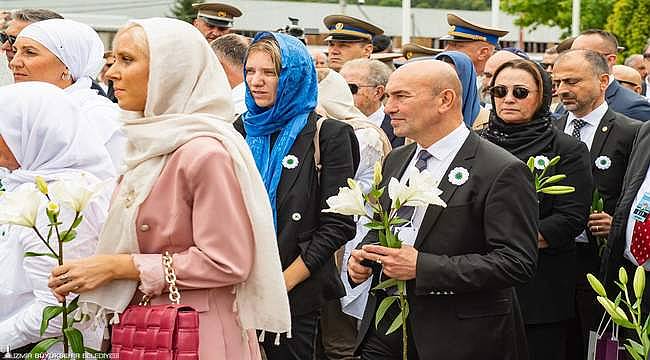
(186, 167)
(33, 143)
(69, 54)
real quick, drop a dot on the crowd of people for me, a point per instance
(225, 157)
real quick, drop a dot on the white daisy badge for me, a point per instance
(290, 161)
(541, 162)
(603, 162)
(458, 176)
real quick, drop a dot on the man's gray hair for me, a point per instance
(378, 72)
(232, 47)
(632, 58)
(34, 15)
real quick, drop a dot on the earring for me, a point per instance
(66, 76)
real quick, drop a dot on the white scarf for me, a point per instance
(48, 135)
(182, 105)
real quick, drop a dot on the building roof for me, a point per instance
(271, 15)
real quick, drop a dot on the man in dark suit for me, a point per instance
(624, 236)
(620, 99)
(582, 77)
(367, 80)
(460, 263)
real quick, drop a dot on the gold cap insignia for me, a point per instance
(338, 26)
(409, 54)
(222, 14)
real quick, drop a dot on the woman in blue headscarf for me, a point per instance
(474, 116)
(281, 129)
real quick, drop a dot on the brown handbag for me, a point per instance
(158, 332)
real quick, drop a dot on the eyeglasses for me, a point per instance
(4, 38)
(500, 91)
(354, 88)
(646, 56)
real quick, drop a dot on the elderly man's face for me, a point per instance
(640, 66)
(210, 31)
(368, 96)
(410, 105)
(14, 28)
(340, 52)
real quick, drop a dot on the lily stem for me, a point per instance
(64, 302)
(402, 305)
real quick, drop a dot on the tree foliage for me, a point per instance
(183, 10)
(434, 4)
(533, 13)
(631, 24)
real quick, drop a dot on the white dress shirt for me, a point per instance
(443, 151)
(645, 188)
(587, 134)
(377, 117)
(239, 99)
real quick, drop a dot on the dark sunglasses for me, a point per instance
(500, 91)
(4, 38)
(354, 88)
(646, 56)
(628, 83)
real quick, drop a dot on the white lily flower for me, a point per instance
(422, 190)
(349, 201)
(75, 193)
(20, 207)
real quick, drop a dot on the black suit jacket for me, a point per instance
(303, 230)
(614, 138)
(388, 129)
(616, 242)
(471, 254)
(623, 101)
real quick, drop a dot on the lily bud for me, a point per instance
(376, 179)
(41, 185)
(639, 282)
(596, 285)
(52, 209)
(622, 276)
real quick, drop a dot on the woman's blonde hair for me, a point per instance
(269, 46)
(140, 37)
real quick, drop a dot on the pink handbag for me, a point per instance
(158, 332)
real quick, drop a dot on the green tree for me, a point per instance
(435, 4)
(533, 13)
(631, 24)
(183, 10)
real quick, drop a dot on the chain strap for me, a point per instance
(170, 277)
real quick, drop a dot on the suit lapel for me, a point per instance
(611, 90)
(464, 158)
(388, 129)
(602, 132)
(561, 122)
(301, 149)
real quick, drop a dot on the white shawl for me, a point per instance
(188, 97)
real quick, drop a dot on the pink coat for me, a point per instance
(196, 212)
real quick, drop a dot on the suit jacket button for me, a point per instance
(296, 216)
(144, 227)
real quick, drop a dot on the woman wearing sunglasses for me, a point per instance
(69, 54)
(280, 126)
(520, 122)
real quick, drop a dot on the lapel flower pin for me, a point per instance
(458, 176)
(541, 162)
(603, 162)
(290, 161)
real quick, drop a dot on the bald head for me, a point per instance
(499, 58)
(424, 101)
(628, 77)
(599, 41)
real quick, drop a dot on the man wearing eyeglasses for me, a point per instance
(582, 77)
(646, 80)
(348, 38)
(215, 19)
(617, 97)
(629, 78)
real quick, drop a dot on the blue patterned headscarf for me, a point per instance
(295, 99)
(467, 76)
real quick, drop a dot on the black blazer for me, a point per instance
(471, 254)
(549, 296)
(623, 101)
(616, 242)
(303, 230)
(388, 129)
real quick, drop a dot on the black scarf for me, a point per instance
(525, 140)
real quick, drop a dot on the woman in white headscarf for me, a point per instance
(186, 167)
(34, 143)
(335, 100)
(69, 54)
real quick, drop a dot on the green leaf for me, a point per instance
(383, 307)
(49, 312)
(531, 163)
(398, 221)
(77, 222)
(68, 236)
(91, 350)
(398, 320)
(633, 354)
(374, 225)
(382, 239)
(76, 341)
(43, 347)
(386, 284)
(32, 254)
(392, 241)
(73, 305)
(636, 346)
(49, 233)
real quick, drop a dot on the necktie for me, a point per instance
(406, 212)
(578, 124)
(640, 246)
